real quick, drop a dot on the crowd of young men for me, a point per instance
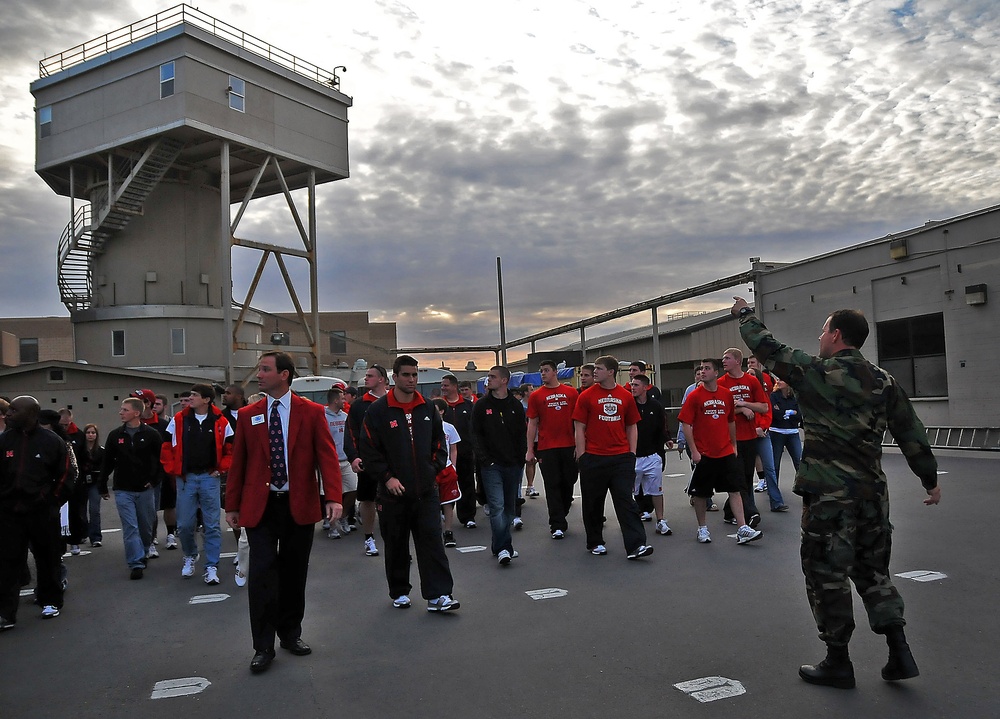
(289, 466)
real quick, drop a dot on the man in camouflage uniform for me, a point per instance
(847, 403)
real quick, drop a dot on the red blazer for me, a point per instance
(310, 448)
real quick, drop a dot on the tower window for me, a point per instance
(45, 121)
(117, 343)
(237, 93)
(166, 79)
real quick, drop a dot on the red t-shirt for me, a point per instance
(709, 414)
(606, 413)
(553, 408)
(748, 389)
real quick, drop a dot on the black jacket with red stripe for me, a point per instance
(34, 470)
(407, 445)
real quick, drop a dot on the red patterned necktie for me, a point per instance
(279, 472)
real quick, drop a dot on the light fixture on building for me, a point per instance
(470, 366)
(897, 249)
(360, 365)
(975, 294)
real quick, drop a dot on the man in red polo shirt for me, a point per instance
(604, 422)
(749, 400)
(708, 422)
(550, 418)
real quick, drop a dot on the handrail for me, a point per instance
(80, 223)
(177, 15)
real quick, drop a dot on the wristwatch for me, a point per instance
(745, 311)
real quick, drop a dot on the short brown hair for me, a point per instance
(852, 325)
(608, 362)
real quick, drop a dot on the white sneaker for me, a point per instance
(747, 534)
(171, 542)
(152, 553)
(646, 517)
(187, 570)
(240, 579)
(211, 575)
(558, 534)
(599, 550)
(443, 603)
(401, 602)
(470, 524)
(333, 534)
(326, 524)
(74, 549)
(503, 559)
(703, 536)
(662, 528)
(370, 549)
(518, 524)
(532, 492)
(49, 611)
(344, 527)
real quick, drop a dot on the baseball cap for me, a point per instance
(146, 395)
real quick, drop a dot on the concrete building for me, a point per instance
(926, 294)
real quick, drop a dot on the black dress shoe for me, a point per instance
(261, 661)
(297, 647)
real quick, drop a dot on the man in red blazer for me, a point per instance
(273, 492)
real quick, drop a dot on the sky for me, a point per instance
(608, 151)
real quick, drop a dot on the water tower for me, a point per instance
(155, 132)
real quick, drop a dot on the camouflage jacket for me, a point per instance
(846, 404)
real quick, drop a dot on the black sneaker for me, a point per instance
(754, 521)
(643, 551)
(729, 520)
(6, 624)
(449, 539)
(136, 573)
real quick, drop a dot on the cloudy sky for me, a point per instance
(609, 151)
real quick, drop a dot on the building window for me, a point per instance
(166, 79)
(237, 94)
(57, 375)
(338, 342)
(177, 341)
(117, 343)
(45, 121)
(913, 351)
(28, 349)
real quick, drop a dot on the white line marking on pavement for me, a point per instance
(672, 476)
(710, 689)
(179, 687)
(83, 553)
(227, 555)
(941, 471)
(550, 593)
(27, 592)
(208, 598)
(922, 575)
(105, 531)
(474, 548)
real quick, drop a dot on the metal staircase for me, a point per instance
(93, 225)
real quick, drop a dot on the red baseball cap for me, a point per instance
(146, 395)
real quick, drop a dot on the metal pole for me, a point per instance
(313, 270)
(503, 328)
(226, 248)
(72, 201)
(656, 348)
(583, 344)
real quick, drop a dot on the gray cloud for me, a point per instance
(768, 131)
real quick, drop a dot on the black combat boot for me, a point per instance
(834, 671)
(901, 664)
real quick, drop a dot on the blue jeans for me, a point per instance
(770, 476)
(94, 501)
(781, 442)
(194, 491)
(501, 482)
(136, 510)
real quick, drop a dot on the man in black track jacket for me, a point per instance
(402, 449)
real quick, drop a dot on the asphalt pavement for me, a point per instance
(694, 630)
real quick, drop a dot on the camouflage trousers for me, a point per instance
(844, 541)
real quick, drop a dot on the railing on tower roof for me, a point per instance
(178, 15)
